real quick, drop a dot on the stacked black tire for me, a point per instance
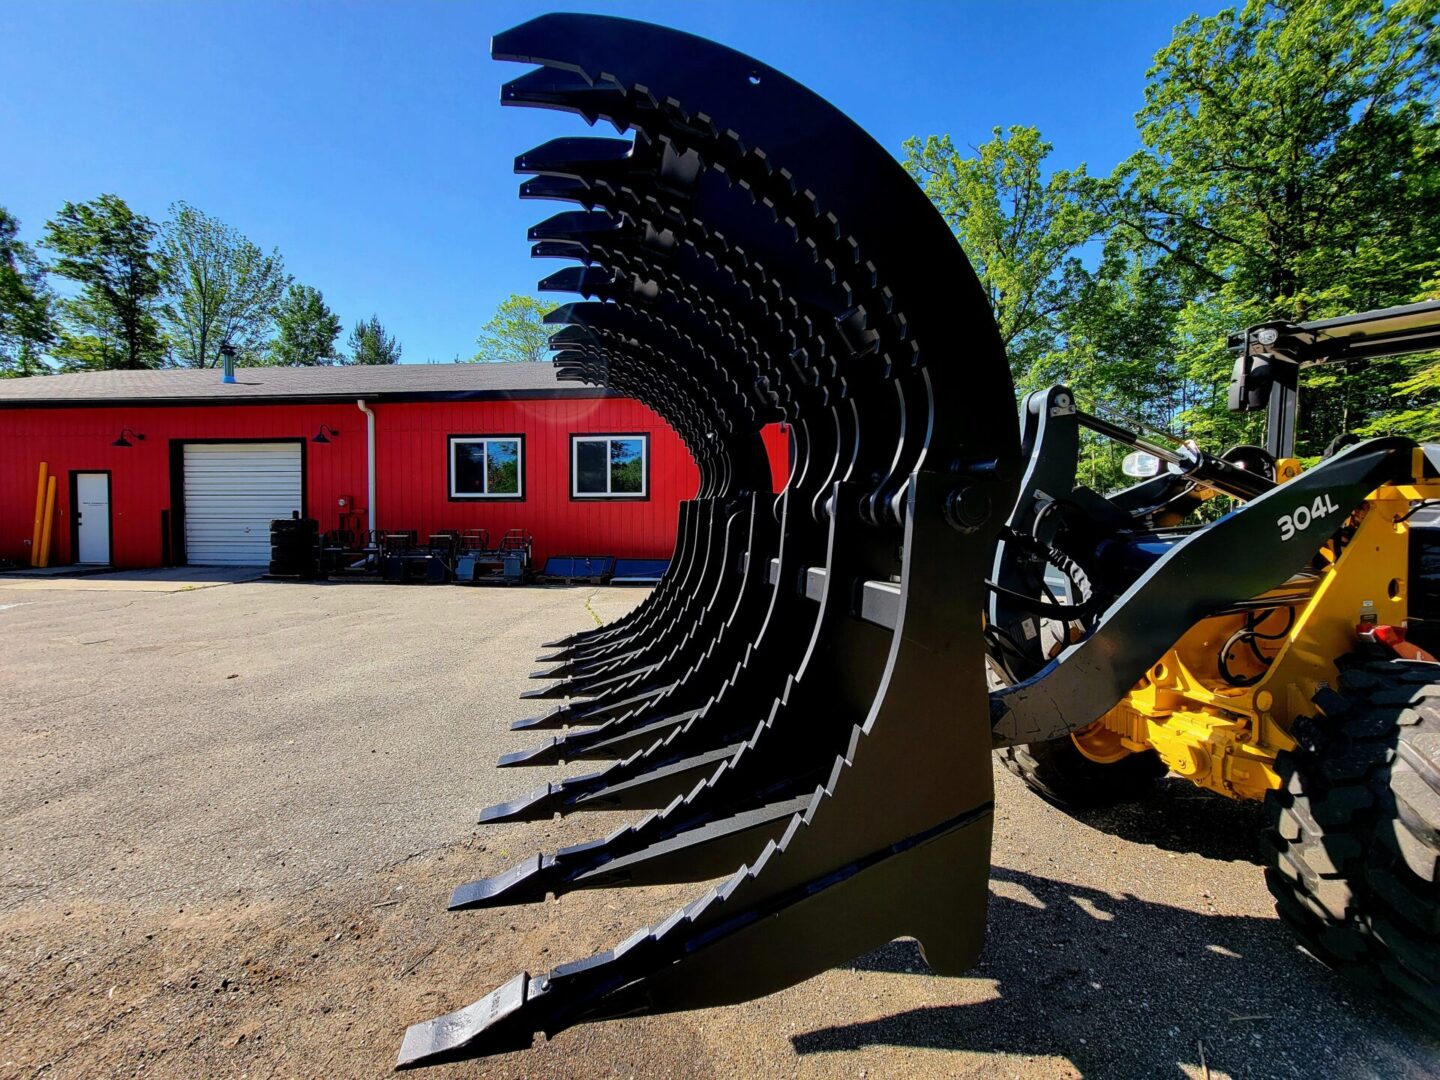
(1353, 847)
(295, 548)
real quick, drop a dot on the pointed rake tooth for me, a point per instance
(578, 746)
(579, 156)
(569, 640)
(555, 718)
(559, 189)
(617, 786)
(558, 689)
(602, 683)
(573, 334)
(522, 883)
(607, 744)
(587, 667)
(576, 279)
(596, 650)
(717, 933)
(552, 673)
(576, 225)
(532, 807)
(654, 787)
(496, 1024)
(544, 802)
(584, 713)
(562, 249)
(554, 88)
(545, 754)
(718, 846)
(689, 853)
(604, 653)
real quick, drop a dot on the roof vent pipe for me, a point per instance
(227, 358)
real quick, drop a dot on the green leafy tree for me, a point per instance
(26, 322)
(306, 330)
(1022, 229)
(516, 332)
(1289, 171)
(369, 344)
(107, 250)
(1104, 331)
(1416, 398)
(222, 289)
(1114, 345)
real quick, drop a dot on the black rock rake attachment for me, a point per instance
(801, 701)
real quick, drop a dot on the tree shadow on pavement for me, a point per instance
(1123, 987)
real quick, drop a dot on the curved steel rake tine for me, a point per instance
(703, 851)
(594, 743)
(582, 713)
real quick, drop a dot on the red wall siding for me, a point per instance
(411, 446)
(411, 465)
(80, 440)
(777, 446)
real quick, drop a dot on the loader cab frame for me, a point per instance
(1269, 357)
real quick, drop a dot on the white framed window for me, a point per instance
(487, 467)
(610, 466)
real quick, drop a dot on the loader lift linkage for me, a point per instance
(801, 703)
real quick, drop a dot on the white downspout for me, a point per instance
(369, 459)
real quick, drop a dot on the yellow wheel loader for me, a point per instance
(1317, 696)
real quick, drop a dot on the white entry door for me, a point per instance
(92, 518)
(232, 493)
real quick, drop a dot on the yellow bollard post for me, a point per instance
(49, 522)
(39, 513)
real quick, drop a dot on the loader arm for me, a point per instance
(1254, 548)
(749, 255)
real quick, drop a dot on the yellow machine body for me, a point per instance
(1225, 737)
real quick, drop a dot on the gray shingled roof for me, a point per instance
(189, 385)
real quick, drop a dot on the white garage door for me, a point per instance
(232, 493)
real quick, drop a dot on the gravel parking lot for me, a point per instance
(231, 814)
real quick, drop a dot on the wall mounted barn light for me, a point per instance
(123, 441)
(325, 434)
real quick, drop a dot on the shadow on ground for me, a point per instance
(1182, 817)
(1124, 987)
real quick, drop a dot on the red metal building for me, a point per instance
(171, 467)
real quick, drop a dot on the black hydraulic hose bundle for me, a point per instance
(1051, 609)
(1249, 634)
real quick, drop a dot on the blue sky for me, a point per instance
(366, 142)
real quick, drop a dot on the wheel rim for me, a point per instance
(1100, 744)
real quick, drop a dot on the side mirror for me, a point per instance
(1250, 383)
(1141, 465)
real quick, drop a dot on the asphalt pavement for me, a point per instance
(231, 813)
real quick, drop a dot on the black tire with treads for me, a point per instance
(1058, 771)
(1353, 844)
